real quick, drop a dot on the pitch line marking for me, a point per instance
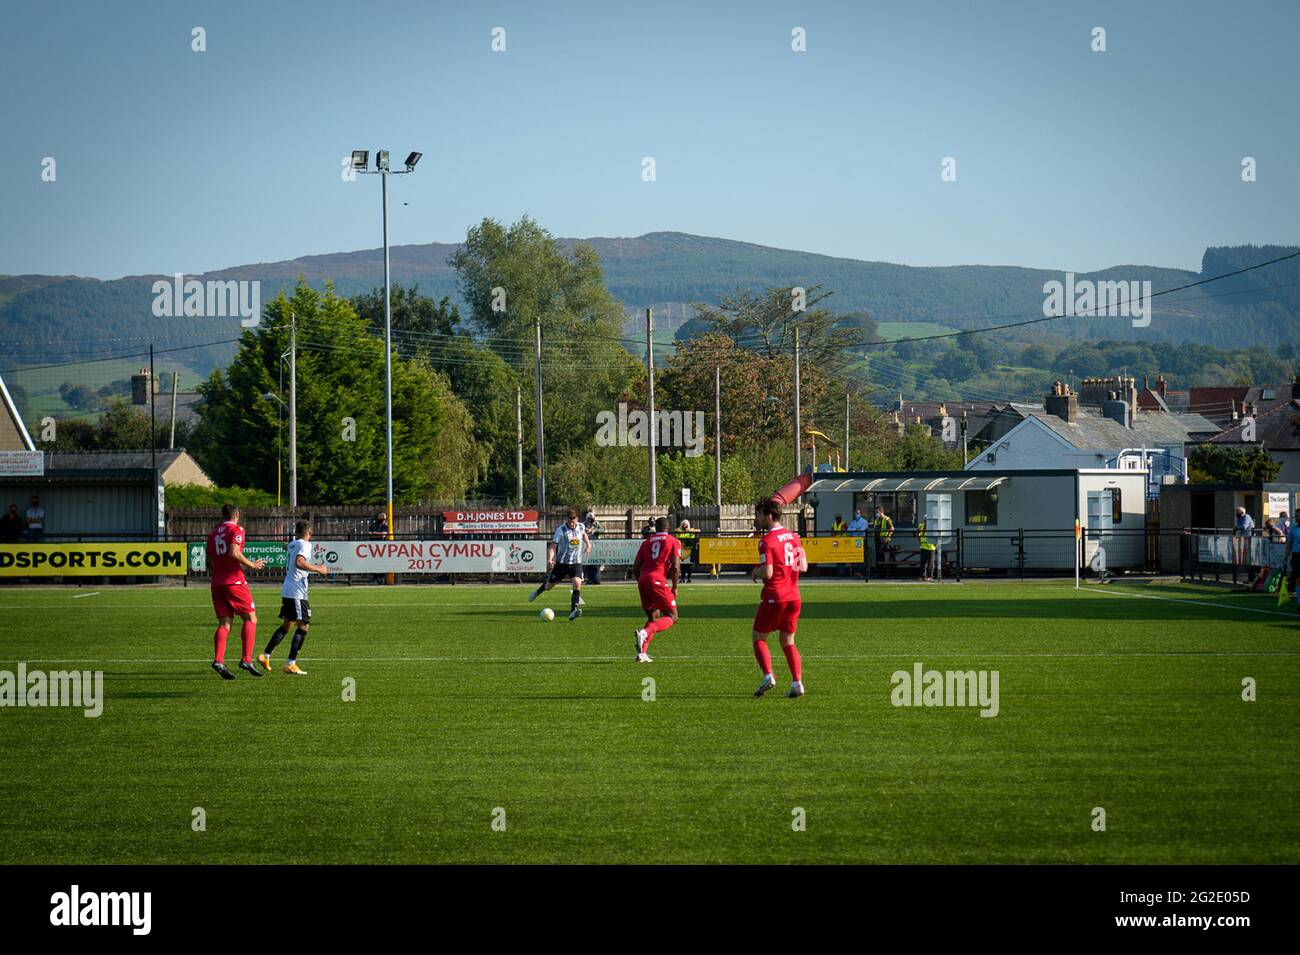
(695, 658)
(1199, 603)
(93, 593)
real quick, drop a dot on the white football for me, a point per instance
(548, 614)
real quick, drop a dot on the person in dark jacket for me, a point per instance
(11, 525)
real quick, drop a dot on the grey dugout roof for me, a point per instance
(929, 482)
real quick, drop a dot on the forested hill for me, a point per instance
(55, 318)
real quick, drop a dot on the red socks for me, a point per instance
(219, 644)
(658, 626)
(796, 665)
(248, 634)
(764, 657)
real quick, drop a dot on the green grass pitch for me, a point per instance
(1124, 697)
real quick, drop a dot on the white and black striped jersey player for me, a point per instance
(564, 555)
(294, 608)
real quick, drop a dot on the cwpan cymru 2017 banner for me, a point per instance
(433, 557)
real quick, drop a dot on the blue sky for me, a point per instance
(172, 160)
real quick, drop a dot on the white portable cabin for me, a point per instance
(993, 508)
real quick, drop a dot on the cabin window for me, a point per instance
(982, 508)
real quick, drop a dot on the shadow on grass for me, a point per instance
(1063, 606)
(594, 697)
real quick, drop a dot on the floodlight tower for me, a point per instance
(360, 160)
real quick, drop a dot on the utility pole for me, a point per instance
(519, 444)
(537, 428)
(717, 441)
(171, 441)
(650, 389)
(846, 430)
(293, 415)
(153, 445)
(964, 458)
(798, 426)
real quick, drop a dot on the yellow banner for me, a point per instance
(833, 550)
(91, 560)
(744, 550)
(728, 550)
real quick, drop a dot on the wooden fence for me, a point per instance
(350, 522)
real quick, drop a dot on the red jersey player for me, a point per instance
(781, 561)
(230, 594)
(658, 561)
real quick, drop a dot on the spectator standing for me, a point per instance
(35, 521)
(927, 550)
(593, 531)
(858, 528)
(883, 525)
(1242, 532)
(688, 537)
(1293, 546)
(11, 525)
(379, 531)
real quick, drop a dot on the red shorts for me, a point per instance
(230, 600)
(657, 594)
(782, 615)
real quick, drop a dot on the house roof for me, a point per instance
(955, 409)
(8, 406)
(112, 460)
(1266, 397)
(1277, 429)
(1093, 431)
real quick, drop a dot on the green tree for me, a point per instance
(765, 322)
(480, 378)
(341, 439)
(957, 364)
(418, 319)
(516, 277)
(677, 471)
(1037, 356)
(1220, 464)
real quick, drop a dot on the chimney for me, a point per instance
(1061, 403)
(140, 383)
(1117, 409)
(899, 406)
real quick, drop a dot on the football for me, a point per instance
(548, 614)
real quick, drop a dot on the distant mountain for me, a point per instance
(47, 318)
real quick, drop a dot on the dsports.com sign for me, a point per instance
(91, 560)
